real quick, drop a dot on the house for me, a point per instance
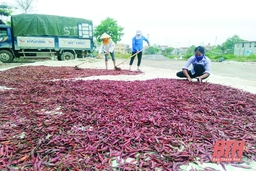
(163, 48)
(245, 48)
(121, 48)
(208, 47)
(180, 51)
(183, 50)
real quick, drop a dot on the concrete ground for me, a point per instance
(234, 74)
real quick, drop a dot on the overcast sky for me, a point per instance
(178, 23)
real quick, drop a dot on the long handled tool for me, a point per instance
(118, 68)
(77, 68)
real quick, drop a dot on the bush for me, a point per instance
(186, 56)
(118, 55)
(250, 58)
(213, 57)
(230, 57)
(171, 56)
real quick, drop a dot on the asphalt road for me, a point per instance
(244, 70)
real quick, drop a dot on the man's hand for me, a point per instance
(185, 72)
(199, 79)
(148, 44)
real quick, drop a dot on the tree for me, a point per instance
(25, 4)
(5, 10)
(111, 27)
(228, 45)
(191, 50)
(215, 51)
(155, 49)
(168, 50)
(151, 50)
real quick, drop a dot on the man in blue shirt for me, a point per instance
(137, 47)
(200, 66)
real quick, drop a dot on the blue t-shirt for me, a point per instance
(137, 44)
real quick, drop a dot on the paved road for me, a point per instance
(230, 69)
(242, 70)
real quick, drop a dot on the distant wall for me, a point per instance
(245, 48)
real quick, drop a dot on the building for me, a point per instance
(208, 47)
(121, 48)
(183, 50)
(180, 51)
(245, 48)
(163, 48)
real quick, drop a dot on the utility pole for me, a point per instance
(216, 41)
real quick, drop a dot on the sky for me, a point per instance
(179, 23)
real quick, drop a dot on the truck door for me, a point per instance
(5, 39)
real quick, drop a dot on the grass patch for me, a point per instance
(171, 56)
(232, 57)
(125, 56)
(228, 57)
(250, 58)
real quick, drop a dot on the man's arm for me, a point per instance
(146, 40)
(185, 72)
(185, 68)
(207, 71)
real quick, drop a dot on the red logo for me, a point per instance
(229, 151)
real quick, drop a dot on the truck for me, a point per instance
(40, 36)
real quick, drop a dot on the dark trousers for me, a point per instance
(199, 70)
(139, 58)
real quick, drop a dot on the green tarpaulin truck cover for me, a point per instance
(46, 25)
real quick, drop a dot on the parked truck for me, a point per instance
(39, 36)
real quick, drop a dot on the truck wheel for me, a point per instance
(6, 56)
(67, 56)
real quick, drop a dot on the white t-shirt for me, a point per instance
(108, 47)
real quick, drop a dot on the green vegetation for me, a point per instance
(231, 57)
(152, 50)
(225, 51)
(111, 27)
(172, 56)
(5, 10)
(125, 56)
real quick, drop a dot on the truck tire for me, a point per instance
(67, 56)
(6, 56)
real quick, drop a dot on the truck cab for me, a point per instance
(6, 43)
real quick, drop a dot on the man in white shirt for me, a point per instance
(200, 66)
(107, 46)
